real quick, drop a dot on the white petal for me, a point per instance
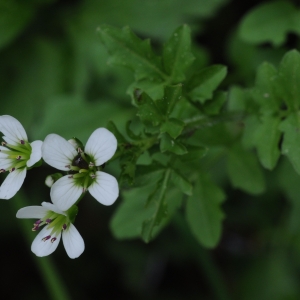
(52, 207)
(32, 212)
(73, 241)
(105, 188)
(57, 152)
(12, 183)
(64, 192)
(12, 129)
(5, 163)
(43, 248)
(101, 145)
(36, 153)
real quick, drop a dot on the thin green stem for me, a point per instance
(52, 279)
(204, 259)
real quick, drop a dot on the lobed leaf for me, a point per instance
(177, 55)
(203, 212)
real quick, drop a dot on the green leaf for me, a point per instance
(157, 197)
(113, 128)
(289, 77)
(181, 182)
(173, 127)
(203, 212)
(244, 171)
(270, 22)
(133, 202)
(265, 91)
(214, 106)
(14, 16)
(267, 141)
(194, 153)
(203, 83)
(147, 110)
(145, 173)
(177, 56)
(169, 144)
(172, 94)
(291, 139)
(127, 50)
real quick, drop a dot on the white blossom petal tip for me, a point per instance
(73, 242)
(36, 153)
(64, 192)
(58, 152)
(12, 183)
(12, 129)
(101, 145)
(105, 188)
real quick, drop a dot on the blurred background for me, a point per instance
(54, 79)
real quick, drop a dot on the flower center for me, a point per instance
(83, 170)
(54, 221)
(18, 155)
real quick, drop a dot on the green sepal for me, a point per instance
(72, 213)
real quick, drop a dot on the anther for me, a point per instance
(22, 142)
(67, 166)
(91, 164)
(71, 176)
(12, 169)
(53, 240)
(48, 221)
(64, 227)
(19, 157)
(3, 143)
(2, 170)
(46, 238)
(93, 176)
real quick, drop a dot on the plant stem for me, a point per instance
(204, 259)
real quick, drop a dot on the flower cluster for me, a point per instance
(83, 167)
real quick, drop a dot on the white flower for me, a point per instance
(83, 166)
(57, 223)
(16, 155)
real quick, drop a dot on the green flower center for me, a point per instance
(83, 170)
(17, 154)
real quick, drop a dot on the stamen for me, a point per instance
(93, 176)
(79, 150)
(46, 238)
(53, 240)
(91, 164)
(18, 157)
(64, 227)
(3, 143)
(12, 169)
(71, 176)
(22, 142)
(2, 171)
(67, 166)
(48, 221)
